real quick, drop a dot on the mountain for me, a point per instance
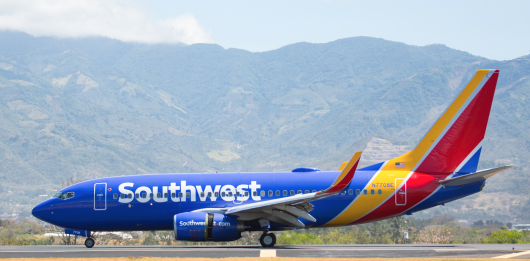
(95, 107)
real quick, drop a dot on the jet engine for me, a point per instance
(200, 226)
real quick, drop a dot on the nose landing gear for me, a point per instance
(267, 240)
(89, 242)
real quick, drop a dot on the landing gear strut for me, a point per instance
(267, 240)
(89, 242)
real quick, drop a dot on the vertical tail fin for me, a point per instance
(456, 137)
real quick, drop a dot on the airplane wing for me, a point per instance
(473, 177)
(287, 210)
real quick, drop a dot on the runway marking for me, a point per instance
(514, 254)
(267, 253)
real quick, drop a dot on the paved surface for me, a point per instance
(388, 251)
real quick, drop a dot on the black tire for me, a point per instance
(89, 242)
(267, 240)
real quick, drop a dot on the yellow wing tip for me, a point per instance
(354, 159)
(343, 165)
(356, 156)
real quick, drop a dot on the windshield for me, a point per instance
(64, 195)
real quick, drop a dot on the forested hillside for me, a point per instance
(95, 107)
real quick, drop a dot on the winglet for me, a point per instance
(346, 175)
(343, 165)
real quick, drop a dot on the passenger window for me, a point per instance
(173, 195)
(188, 194)
(357, 192)
(209, 194)
(122, 196)
(365, 191)
(230, 194)
(372, 192)
(285, 192)
(255, 193)
(181, 195)
(202, 194)
(158, 195)
(306, 192)
(150, 195)
(216, 194)
(223, 194)
(299, 192)
(115, 196)
(166, 195)
(350, 192)
(271, 193)
(379, 192)
(237, 194)
(277, 193)
(292, 192)
(137, 195)
(130, 195)
(144, 195)
(262, 193)
(246, 193)
(314, 191)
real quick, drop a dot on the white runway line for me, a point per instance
(267, 253)
(514, 255)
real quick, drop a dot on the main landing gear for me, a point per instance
(89, 242)
(267, 239)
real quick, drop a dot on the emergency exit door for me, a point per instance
(401, 192)
(100, 196)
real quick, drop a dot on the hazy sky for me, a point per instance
(492, 29)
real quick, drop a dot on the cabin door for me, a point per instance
(100, 196)
(401, 192)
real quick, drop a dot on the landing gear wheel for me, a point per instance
(89, 242)
(267, 240)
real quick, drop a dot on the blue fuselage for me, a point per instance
(98, 205)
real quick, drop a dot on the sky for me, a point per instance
(496, 30)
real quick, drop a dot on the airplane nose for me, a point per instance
(38, 211)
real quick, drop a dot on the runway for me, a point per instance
(341, 251)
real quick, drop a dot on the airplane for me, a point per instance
(220, 206)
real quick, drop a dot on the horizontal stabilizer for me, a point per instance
(473, 177)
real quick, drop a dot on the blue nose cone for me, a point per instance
(42, 211)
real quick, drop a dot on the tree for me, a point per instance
(437, 235)
(479, 223)
(396, 227)
(149, 239)
(166, 236)
(504, 237)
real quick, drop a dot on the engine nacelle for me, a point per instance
(200, 226)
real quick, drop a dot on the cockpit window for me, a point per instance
(64, 195)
